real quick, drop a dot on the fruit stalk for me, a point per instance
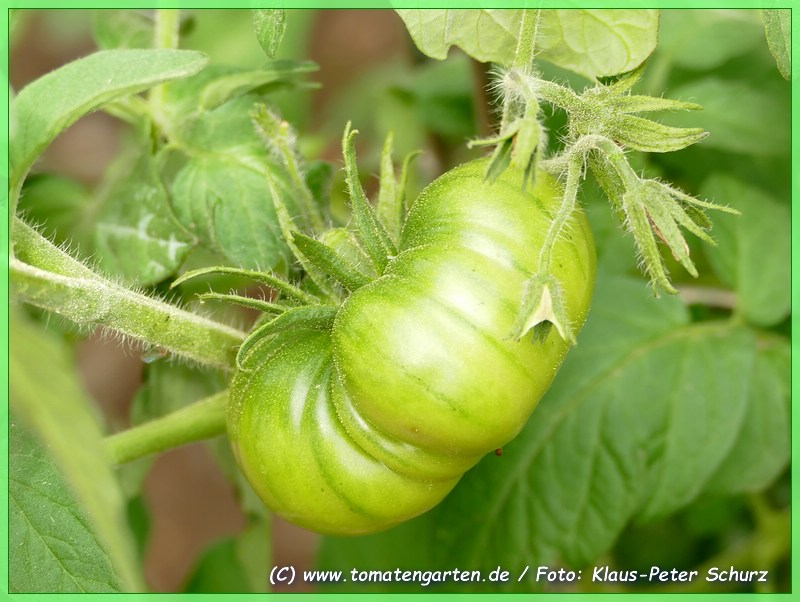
(201, 420)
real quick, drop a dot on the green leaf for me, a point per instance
(52, 544)
(598, 43)
(220, 190)
(705, 39)
(58, 411)
(136, 236)
(123, 29)
(126, 225)
(739, 117)
(227, 205)
(270, 25)
(764, 446)
(643, 413)
(55, 101)
(592, 43)
(753, 252)
(778, 27)
(228, 87)
(139, 519)
(58, 205)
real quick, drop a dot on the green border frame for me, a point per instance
(391, 4)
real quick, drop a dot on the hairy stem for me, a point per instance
(526, 44)
(201, 420)
(47, 277)
(564, 211)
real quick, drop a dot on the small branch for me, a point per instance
(201, 420)
(167, 28)
(526, 44)
(166, 35)
(565, 211)
(47, 277)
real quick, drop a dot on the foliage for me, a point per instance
(668, 421)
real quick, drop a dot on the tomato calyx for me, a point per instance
(336, 263)
(603, 122)
(339, 403)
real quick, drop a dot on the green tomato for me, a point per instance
(357, 429)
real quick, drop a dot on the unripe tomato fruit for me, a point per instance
(357, 429)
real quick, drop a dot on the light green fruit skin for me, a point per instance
(295, 452)
(426, 351)
(353, 431)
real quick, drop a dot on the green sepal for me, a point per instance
(249, 302)
(317, 317)
(635, 103)
(501, 159)
(376, 239)
(318, 278)
(402, 191)
(543, 302)
(389, 206)
(345, 243)
(528, 144)
(275, 75)
(664, 226)
(281, 140)
(624, 82)
(648, 136)
(288, 290)
(328, 260)
(520, 140)
(639, 225)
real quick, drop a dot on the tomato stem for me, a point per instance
(574, 169)
(526, 44)
(48, 277)
(201, 420)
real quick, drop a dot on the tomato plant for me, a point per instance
(551, 342)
